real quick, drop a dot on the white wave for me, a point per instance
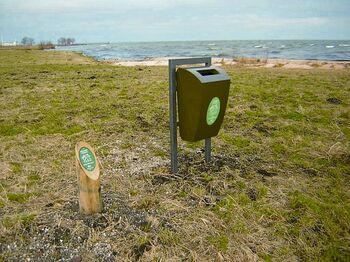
(312, 44)
(212, 44)
(258, 46)
(282, 46)
(344, 45)
(329, 46)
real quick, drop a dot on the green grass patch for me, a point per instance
(237, 141)
(168, 237)
(16, 167)
(220, 242)
(10, 130)
(23, 220)
(19, 197)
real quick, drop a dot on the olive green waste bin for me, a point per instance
(202, 99)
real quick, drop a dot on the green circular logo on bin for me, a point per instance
(213, 111)
(87, 159)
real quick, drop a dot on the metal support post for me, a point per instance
(173, 63)
(173, 116)
(207, 149)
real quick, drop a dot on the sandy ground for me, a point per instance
(268, 63)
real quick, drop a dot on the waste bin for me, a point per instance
(202, 99)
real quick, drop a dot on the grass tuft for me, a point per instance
(220, 242)
(19, 197)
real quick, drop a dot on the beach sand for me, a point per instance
(249, 62)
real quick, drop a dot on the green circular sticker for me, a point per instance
(87, 159)
(213, 111)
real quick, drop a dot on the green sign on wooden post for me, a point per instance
(88, 173)
(87, 159)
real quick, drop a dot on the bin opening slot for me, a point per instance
(208, 72)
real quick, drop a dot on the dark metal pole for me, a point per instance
(173, 116)
(207, 143)
(207, 148)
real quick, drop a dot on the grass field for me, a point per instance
(277, 189)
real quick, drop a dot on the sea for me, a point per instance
(336, 50)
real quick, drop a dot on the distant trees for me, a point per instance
(65, 41)
(27, 41)
(46, 45)
(70, 41)
(61, 41)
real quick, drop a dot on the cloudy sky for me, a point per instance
(165, 20)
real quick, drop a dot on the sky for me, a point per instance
(173, 20)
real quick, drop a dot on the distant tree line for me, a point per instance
(46, 45)
(65, 41)
(29, 41)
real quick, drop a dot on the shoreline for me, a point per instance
(248, 62)
(221, 61)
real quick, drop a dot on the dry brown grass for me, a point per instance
(275, 190)
(251, 61)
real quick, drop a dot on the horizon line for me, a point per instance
(217, 40)
(187, 40)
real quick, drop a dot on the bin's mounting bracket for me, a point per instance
(173, 63)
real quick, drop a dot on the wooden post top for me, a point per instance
(86, 157)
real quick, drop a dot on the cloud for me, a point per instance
(37, 6)
(175, 19)
(223, 21)
(275, 22)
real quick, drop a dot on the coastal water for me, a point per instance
(281, 49)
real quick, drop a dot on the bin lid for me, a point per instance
(208, 74)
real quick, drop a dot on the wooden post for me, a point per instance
(88, 173)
